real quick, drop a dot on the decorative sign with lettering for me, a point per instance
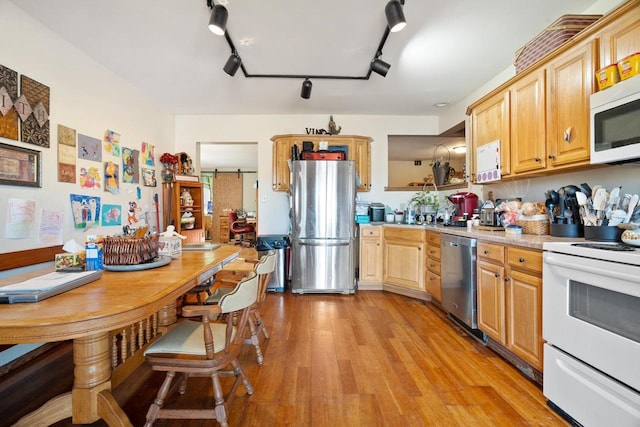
(35, 125)
(8, 93)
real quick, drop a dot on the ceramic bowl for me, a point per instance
(631, 237)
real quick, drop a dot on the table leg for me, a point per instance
(56, 409)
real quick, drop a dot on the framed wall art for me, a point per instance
(19, 166)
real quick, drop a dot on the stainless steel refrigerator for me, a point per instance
(323, 194)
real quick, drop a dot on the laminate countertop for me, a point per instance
(499, 236)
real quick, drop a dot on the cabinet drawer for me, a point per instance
(433, 239)
(369, 232)
(433, 265)
(404, 234)
(527, 259)
(491, 252)
(433, 252)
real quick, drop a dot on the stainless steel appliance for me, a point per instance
(591, 324)
(459, 278)
(323, 235)
(615, 123)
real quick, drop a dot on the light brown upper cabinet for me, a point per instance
(357, 148)
(541, 116)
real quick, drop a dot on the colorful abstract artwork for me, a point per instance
(33, 108)
(111, 141)
(148, 157)
(149, 177)
(90, 177)
(111, 177)
(8, 94)
(111, 215)
(130, 166)
(89, 148)
(85, 210)
(66, 154)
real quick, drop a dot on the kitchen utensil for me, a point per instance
(617, 216)
(613, 200)
(583, 203)
(550, 207)
(568, 214)
(586, 189)
(599, 203)
(632, 205)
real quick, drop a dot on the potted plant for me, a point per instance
(425, 200)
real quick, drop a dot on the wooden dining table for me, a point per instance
(88, 315)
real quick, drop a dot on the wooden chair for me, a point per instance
(263, 268)
(204, 348)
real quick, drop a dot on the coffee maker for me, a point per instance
(464, 202)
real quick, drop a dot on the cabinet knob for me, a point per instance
(486, 252)
(538, 159)
(551, 156)
(497, 274)
(506, 279)
(521, 260)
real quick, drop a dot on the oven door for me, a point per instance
(591, 310)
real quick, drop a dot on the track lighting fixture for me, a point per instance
(380, 67)
(395, 22)
(232, 65)
(218, 20)
(395, 15)
(306, 89)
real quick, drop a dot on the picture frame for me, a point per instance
(20, 166)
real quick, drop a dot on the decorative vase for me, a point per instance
(167, 173)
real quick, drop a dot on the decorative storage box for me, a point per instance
(607, 76)
(563, 29)
(629, 66)
(170, 246)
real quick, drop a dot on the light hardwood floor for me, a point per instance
(374, 359)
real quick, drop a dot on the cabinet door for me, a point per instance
(404, 263)
(490, 122)
(528, 124)
(491, 309)
(620, 39)
(524, 300)
(570, 79)
(280, 168)
(362, 157)
(370, 260)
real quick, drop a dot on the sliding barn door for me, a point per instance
(227, 194)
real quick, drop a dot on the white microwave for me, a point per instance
(615, 123)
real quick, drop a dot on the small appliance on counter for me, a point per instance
(464, 202)
(488, 215)
(377, 212)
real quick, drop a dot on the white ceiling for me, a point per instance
(163, 47)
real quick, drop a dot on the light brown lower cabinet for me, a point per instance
(403, 265)
(370, 266)
(510, 299)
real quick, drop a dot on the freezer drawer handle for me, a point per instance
(327, 244)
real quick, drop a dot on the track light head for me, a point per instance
(306, 89)
(395, 16)
(232, 65)
(218, 20)
(380, 67)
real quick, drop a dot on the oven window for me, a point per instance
(616, 312)
(618, 126)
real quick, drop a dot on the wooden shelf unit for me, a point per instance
(174, 209)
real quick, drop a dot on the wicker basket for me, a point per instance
(537, 224)
(556, 34)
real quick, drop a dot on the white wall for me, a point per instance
(84, 96)
(273, 207)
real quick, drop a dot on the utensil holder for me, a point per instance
(567, 230)
(603, 233)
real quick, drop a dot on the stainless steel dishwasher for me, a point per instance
(459, 278)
